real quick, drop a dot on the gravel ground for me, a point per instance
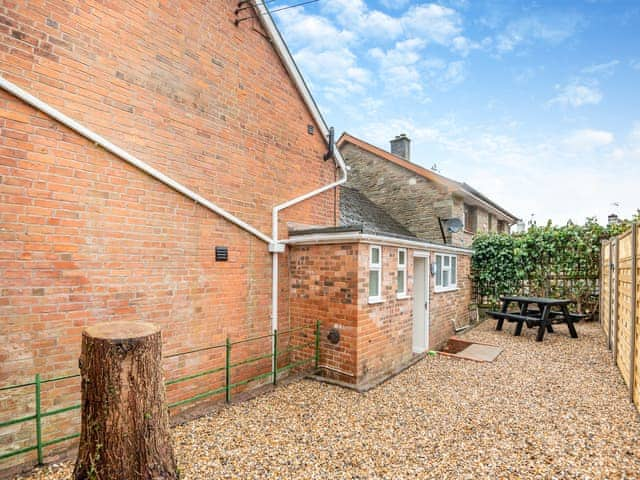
(557, 409)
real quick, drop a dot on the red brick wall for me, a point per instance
(324, 286)
(331, 283)
(447, 306)
(84, 237)
(385, 330)
(180, 86)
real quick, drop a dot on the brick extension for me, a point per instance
(330, 282)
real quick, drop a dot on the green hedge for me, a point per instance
(555, 261)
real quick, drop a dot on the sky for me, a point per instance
(535, 104)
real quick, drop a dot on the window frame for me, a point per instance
(375, 267)
(448, 269)
(470, 218)
(402, 271)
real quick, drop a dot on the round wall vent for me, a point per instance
(334, 336)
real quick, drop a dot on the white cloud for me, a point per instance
(440, 25)
(398, 69)
(403, 53)
(635, 64)
(454, 74)
(403, 80)
(336, 71)
(463, 45)
(312, 31)
(529, 30)
(346, 11)
(630, 151)
(433, 23)
(371, 105)
(605, 69)
(356, 16)
(443, 75)
(323, 52)
(577, 94)
(395, 4)
(405, 70)
(377, 23)
(588, 140)
(324, 47)
(331, 65)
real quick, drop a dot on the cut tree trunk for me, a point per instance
(125, 422)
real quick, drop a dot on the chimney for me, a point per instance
(401, 146)
(613, 219)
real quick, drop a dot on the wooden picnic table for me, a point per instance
(547, 312)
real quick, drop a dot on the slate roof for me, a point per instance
(356, 210)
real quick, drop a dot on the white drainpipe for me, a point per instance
(268, 24)
(127, 157)
(277, 247)
(274, 246)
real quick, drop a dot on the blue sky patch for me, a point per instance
(535, 104)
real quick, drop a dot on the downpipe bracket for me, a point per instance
(275, 247)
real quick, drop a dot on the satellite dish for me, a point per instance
(453, 225)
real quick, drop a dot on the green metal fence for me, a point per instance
(227, 388)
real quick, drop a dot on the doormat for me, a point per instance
(478, 352)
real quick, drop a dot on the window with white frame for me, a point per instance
(402, 272)
(375, 274)
(446, 272)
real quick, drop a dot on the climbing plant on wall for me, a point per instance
(556, 261)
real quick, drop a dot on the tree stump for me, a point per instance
(125, 421)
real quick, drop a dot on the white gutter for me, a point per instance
(285, 55)
(127, 157)
(328, 238)
(490, 208)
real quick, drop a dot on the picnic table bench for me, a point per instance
(549, 311)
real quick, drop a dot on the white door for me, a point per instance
(420, 303)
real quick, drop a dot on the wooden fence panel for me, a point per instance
(613, 319)
(620, 305)
(635, 394)
(605, 294)
(623, 312)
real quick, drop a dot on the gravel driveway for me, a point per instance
(557, 409)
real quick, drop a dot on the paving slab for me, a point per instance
(480, 352)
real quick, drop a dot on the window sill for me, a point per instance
(444, 290)
(375, 300)
(403, 296)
